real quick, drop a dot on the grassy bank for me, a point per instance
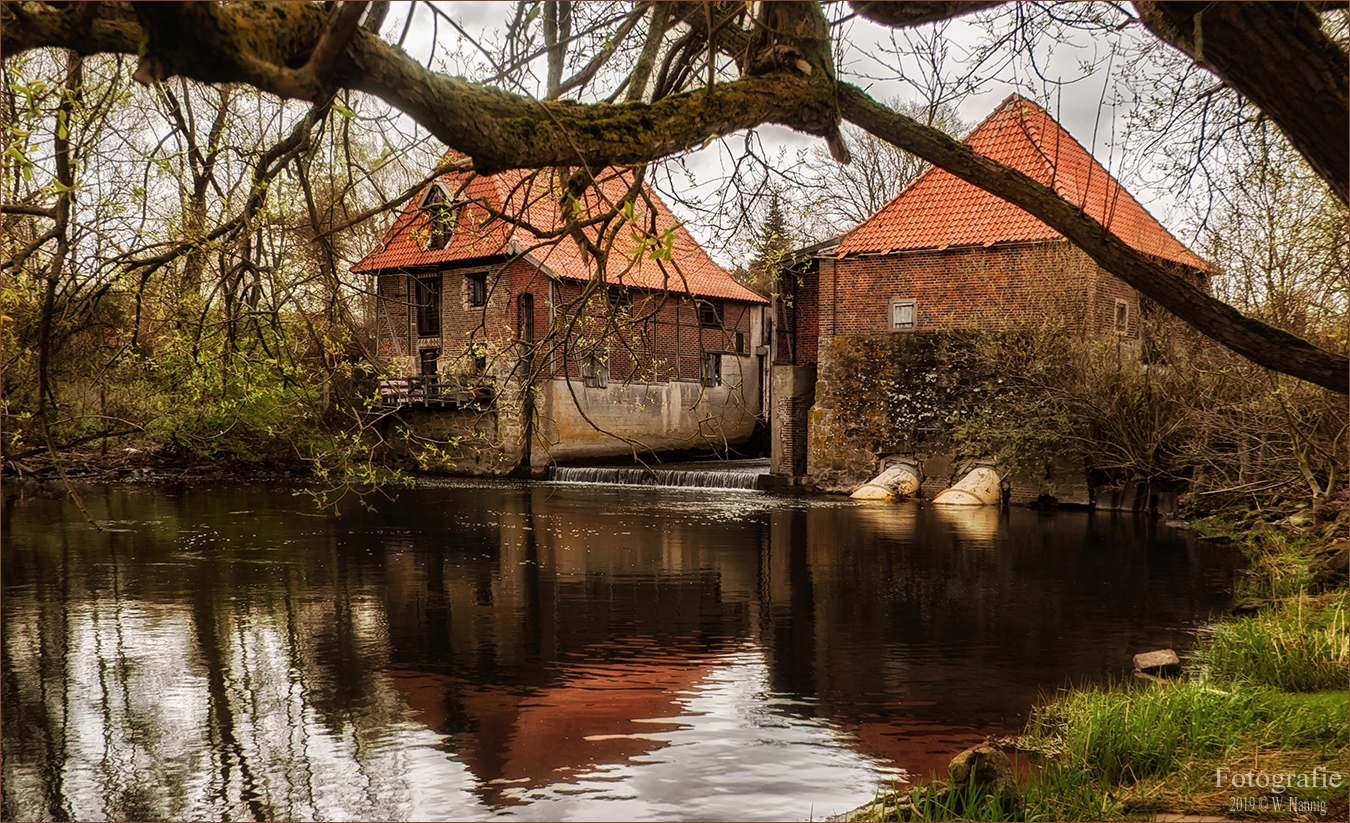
(1265, 693)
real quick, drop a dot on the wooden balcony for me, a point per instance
(449, 393)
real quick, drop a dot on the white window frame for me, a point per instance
(896, 303)
(1121, 312)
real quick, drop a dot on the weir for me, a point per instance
(730, 474)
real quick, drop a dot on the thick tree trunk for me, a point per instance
(1277, 55)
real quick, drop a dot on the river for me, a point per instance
(546, 650)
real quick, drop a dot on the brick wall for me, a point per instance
(657, 338)
(990, 289)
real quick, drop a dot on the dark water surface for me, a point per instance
(546, 651)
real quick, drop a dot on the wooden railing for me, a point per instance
(436, 392)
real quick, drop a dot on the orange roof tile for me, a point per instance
(637, 247)
(939, 210)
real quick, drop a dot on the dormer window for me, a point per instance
(442, 215)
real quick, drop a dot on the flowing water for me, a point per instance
(711, 474)
(546, 650)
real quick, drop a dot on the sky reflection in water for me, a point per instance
(546, 651)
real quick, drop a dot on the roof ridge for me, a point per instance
(1114, 189)
(844, 235)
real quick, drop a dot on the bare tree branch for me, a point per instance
(1173, 286)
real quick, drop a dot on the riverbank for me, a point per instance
(1262, 700)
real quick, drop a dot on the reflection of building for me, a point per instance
(514, 637)
(871, 310)
(576, 339)
(545, 664)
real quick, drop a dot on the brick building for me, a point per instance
(946, 256)
(545, 342)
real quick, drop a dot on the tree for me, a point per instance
(704, 70)
(849, 194)
(774, 237)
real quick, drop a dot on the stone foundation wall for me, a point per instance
(883, 397)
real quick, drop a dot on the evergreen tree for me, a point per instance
(772, 247)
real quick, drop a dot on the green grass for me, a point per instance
(1122, 733)
(1130, 751)
(1299, 645)
(1278, 566)
(1267, 692)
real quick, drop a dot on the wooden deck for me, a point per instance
(436, 393)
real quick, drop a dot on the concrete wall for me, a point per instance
(576, 422)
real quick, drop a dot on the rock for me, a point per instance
(1300, 519)
(1161, 662)
(986, 767)
(981, 487)
(1178, 524)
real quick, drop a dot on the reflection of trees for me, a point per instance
(244, 666)
(925, 624)
(533, 640)
(248, 689)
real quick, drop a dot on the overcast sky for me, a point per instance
(1072, 78)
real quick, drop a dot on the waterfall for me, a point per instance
(743, 474)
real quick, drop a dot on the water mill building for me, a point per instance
(522, 342)
(861, 323)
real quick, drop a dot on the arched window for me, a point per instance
(442, 216)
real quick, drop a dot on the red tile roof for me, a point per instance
(939, 210)
(637, 248)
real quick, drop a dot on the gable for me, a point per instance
(647, 249)
(939, 210)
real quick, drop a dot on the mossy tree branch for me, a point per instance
(786, 78)
(1172, 285)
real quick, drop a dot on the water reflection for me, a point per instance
(545, 651)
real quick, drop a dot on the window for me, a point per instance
(740, 343)
(904, 315)
(619, 301)
(441, 217)
(477, 284)
(428, 359)
(712, 369)
(1122, 319)
(526, 308)
(710, 313)
(429, 307)
(595, 371)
